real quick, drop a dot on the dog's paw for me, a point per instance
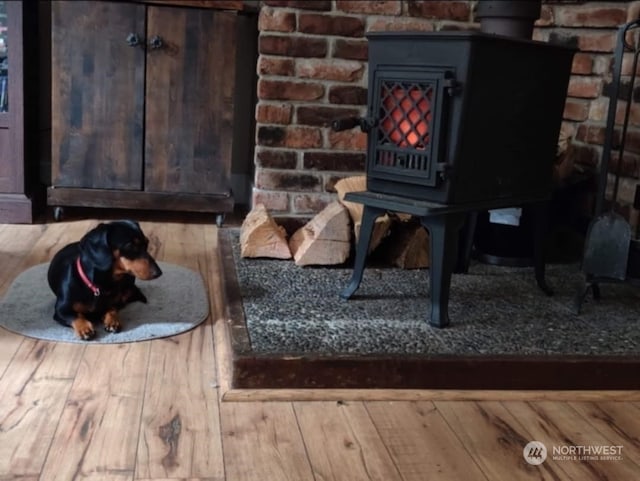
(83, 329)
(112, 321)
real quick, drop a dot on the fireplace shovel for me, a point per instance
(606, 251)
(608, 239)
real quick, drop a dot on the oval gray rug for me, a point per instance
(177, 302)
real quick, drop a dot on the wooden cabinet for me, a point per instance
(17, 120)
(142, 106)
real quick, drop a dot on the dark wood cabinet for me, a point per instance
(18, 162)
(142, 106)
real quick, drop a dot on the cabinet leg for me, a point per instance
(58, 213)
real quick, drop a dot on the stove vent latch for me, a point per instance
(452, 86)
(444, 171)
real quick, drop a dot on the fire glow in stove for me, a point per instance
(457, 122)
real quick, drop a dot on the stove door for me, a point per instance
(409, 108)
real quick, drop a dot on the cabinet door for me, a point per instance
(189, 100)
(98, 95)
(11, 99)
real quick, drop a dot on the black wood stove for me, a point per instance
(457, 122)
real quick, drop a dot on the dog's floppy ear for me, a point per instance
(131, 223)
(95, 250)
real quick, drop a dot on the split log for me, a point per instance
(356, 183)
(325, 239)
(261, 236)
(564, 163)
(407, 246)
(381, 225)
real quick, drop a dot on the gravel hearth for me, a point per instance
(493, 310)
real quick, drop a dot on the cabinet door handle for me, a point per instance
(156, 42)
(133, 40)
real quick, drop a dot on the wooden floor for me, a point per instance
(152, 410)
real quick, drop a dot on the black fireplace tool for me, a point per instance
(608, 239)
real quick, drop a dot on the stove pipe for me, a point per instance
(508, 18)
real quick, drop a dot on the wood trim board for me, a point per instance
(437, 377)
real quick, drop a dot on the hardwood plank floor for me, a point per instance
(339, 434)
(153, 410)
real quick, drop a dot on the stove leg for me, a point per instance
(443, 238)
(467, 234)
(369, 215)
(540, 227)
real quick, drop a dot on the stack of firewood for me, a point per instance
(328, 238)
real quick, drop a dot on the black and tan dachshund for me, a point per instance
(94, 278)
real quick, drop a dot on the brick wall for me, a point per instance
(312, 69)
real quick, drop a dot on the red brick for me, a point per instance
(285, 90)
(626, 193)
(273, 201)
(440, 10)
(585, 87)
(598, 109)
(591, 134)
(351, 95)
(331, 180)
(634, 115)
(270, 136)
(291, 137)
(575, 109)
(292, 223)
(631, 167)
(322, 116)
(348, 140)
(603, 64)
(292, 46)
(546, 17)
(568, 129)
(589, 16)
(323, 5)
(275, 20)
(597, 42)
(627, 65)
(338, 25)
(382, 24)
(310, 203)
(288, 181)
(586, 155)
(334, 161)
(350, 49)
(276, 159)
(633, 141)
(633, 12)
(303, 138)
(582, 64)
(453, 26)
(625, 91)
(274, 113)
(339, 70)
(370, 7)
(276, 66)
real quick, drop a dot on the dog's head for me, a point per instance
(121, 248)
